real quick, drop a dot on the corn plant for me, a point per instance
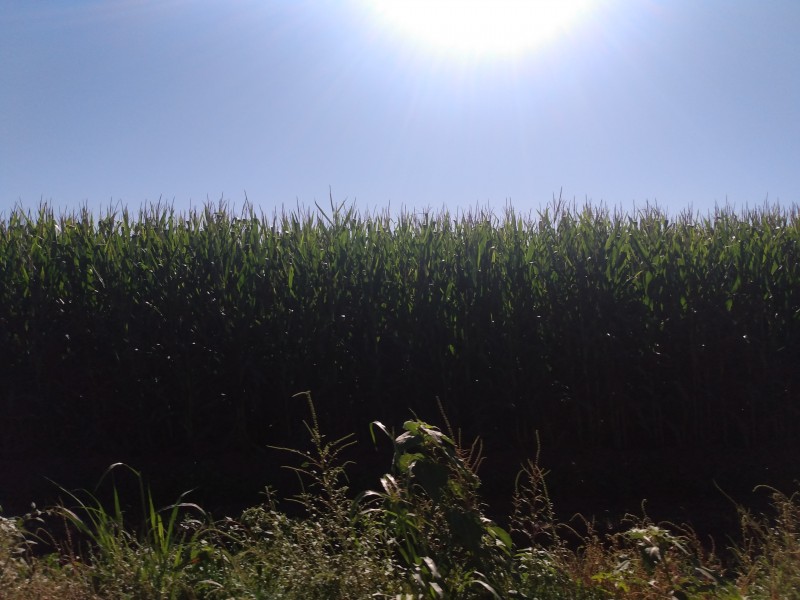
(192, 331)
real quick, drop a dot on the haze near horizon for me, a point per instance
(455, 105)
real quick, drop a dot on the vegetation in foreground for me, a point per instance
(422, 534)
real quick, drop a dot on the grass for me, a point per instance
(422, 533)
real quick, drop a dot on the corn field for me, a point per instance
(166, 330)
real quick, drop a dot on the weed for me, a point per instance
(423, 534)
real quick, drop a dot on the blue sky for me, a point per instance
(683, 103)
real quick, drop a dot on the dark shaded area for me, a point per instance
(652, 356)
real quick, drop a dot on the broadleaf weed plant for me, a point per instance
(334, 551)
(434, 517)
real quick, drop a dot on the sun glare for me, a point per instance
(480, 29)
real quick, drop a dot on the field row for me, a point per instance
(591, 327)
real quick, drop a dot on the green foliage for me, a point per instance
(23, 577)
(770, 553)
(432, 513)
(148, 562)
(333, 552)
(423, 536)
(598, 328)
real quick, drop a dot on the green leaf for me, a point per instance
(501, 535)
(406, 461)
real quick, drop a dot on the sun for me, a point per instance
(480, 29)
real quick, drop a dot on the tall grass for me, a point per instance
(194, 330)
(422, 534)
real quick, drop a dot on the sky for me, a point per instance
(683, 104)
